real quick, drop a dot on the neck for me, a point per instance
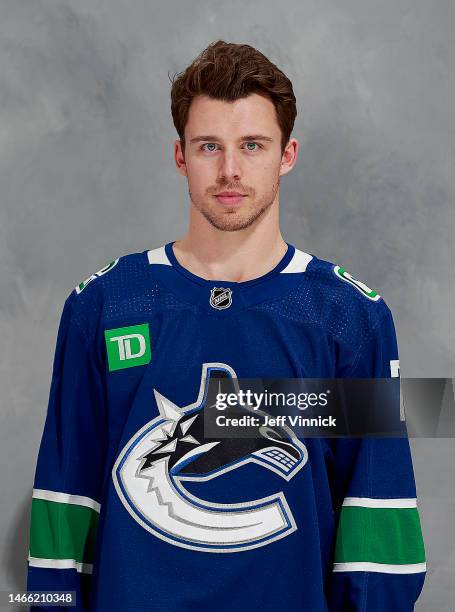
(234, 256)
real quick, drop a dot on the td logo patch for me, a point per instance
(128, 346)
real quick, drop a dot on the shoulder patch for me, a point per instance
(364, 289)
(81, 286)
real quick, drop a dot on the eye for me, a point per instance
(253, 143)
(208, 144)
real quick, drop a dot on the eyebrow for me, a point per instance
(241, 139)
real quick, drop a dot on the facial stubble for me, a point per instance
(232, 219)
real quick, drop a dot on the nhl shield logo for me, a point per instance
(220, 297)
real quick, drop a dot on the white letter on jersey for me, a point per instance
(124, 346)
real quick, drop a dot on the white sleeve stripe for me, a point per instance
(85, 568)
(369, 502)
(65, 498)
(384, 568)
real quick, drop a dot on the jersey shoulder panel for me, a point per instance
(124, 289)
(345, 285)
(345, 305)
(90, 299)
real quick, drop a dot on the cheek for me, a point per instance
(199, 174)
(266, 172)
(268, 164)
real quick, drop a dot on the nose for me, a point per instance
(229, 168)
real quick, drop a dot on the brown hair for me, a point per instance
(229, 71)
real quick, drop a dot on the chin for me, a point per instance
(231, 223)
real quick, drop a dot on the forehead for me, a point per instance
(250, 115)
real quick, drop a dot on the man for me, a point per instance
(133, 507)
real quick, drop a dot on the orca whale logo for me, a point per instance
(150, 472)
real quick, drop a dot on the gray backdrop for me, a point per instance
(87, 175)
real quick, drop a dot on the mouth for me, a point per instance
(230, 197)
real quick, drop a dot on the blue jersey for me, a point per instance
(135, 510)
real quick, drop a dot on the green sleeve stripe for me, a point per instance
(62, 531)
(391, 536)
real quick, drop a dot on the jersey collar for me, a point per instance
(202, 293)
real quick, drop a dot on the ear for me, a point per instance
(179, 156)
(289, 157)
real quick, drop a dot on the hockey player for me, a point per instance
(133, 507)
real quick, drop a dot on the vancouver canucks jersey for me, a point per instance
(134, 510)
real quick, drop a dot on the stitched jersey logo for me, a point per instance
(91, 278)
(362, 287)
(220, 297)
(170, 450)
(128, 346)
